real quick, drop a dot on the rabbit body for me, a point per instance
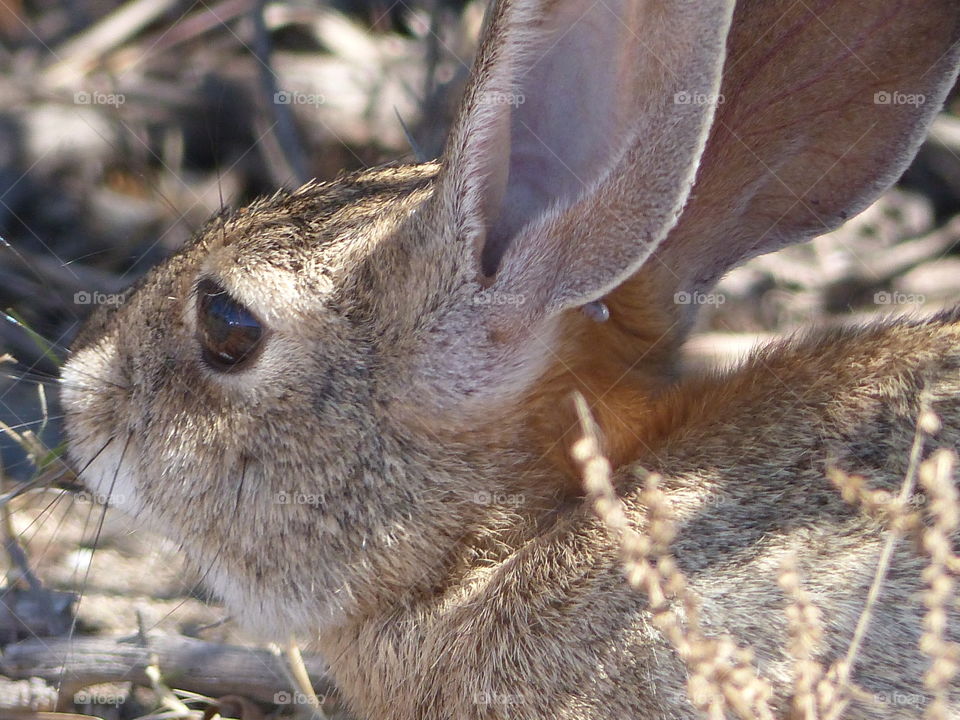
(547, 628)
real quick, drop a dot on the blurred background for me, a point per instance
(125, 125)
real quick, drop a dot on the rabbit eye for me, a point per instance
(228, 332)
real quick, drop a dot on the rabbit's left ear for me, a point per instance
(578, 140)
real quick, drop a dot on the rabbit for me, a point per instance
(350, 404)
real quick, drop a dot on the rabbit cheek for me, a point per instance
(98, 405)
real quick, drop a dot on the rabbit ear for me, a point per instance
(578, 140)
(824, 105)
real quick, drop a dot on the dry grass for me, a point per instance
(722, 675)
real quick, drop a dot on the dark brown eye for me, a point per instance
(228, 332)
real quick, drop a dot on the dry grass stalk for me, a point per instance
(722, 675)
(806, 634)
(892, 512)
(936, 475)
(937, 478)
(880, 505)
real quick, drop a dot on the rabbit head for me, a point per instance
(358, 389)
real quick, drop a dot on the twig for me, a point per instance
(302, 679)
(77, 56)
(207, 668)
(284, 129)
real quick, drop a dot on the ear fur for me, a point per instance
(574, 151)
(824, 106)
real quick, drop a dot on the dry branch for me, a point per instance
(186, 664)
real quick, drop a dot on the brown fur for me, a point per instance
(392, 472)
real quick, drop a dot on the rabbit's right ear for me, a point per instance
(823, 106)
(578, 141)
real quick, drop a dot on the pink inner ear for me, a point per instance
(566, 117)
(801, 142)
(574, 150)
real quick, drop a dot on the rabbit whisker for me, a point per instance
(96, 539)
